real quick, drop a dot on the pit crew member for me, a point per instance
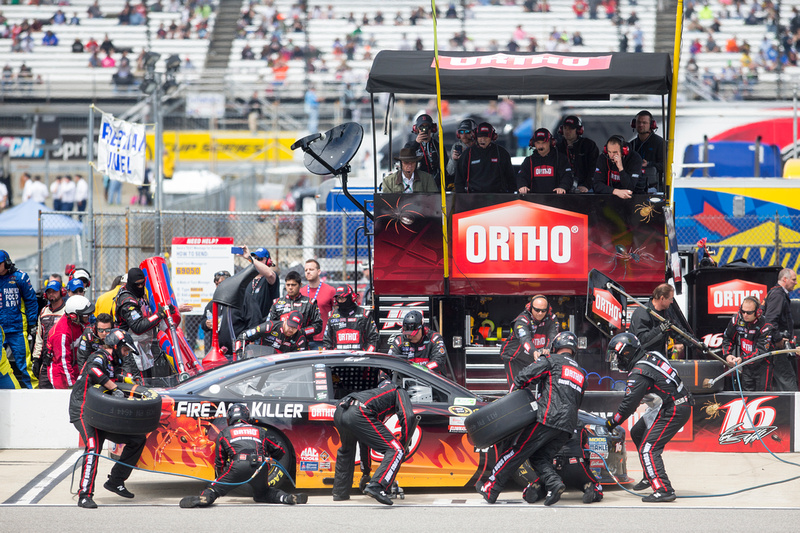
(545, 171)
(51, 313)
(284, 336)
(746, 336)
(294, 301)
(350, 327)
(531, 334)
(418, 344)
(63, 341)
(19, 311)
(619, 170)
(486, 166)
(581, 151)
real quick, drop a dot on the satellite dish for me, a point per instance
(330, 152)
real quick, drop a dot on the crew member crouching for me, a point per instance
(418, 344)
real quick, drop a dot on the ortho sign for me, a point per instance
(607, 307)
(725, 298)
(524, 62)
(521, 240)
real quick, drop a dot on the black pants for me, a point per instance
(358, 425)
(651, 441)
(574, 472)
(756, 377)
(237, 472)
(514, 366)
(537, 442)
(785, 378)
(93, 439)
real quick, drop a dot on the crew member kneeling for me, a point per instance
(104, 367)
(359, 419)
(649, 373)
(418, 344)
(241, 450)
(284, 336)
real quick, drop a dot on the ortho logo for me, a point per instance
(321, 411)
(541, 243)
(725, 298)
(524, 62)
(607, 307)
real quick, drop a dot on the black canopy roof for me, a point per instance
(485, 75)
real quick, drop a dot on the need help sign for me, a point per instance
(194, 262)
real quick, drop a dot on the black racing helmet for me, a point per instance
(624, 349)
(118, 338)
(412, 322)
(565, 339)
(238, 412)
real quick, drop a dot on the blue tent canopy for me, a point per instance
(23, 220)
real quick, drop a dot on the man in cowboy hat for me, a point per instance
(409, 178)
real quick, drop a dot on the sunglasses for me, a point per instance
(222, 273)
(464, 132)
(748, 312)
(100, 330)
(79, 291)
(537, 310)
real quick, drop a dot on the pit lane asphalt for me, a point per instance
(35, 496)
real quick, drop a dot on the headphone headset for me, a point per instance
(472, 127)
(493, 132)
(653, 125)
(578, 129)
(424, 119)
(755, 301)
(625, 148)
(550, 138)
(529, 305)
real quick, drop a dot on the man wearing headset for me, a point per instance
(531, 334)
(746, 336)
(465, 139)
(426, 145)
(650, 147)
(485, 167)
(619, 170)
(580, 151)
(545, 171)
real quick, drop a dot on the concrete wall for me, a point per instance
(32, 419)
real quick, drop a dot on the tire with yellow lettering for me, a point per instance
(277, 478)
(137, 413)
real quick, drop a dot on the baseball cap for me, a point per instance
(53, 285)
(542, 134)
(261, 253)
(466, 125)
(484, 130)
(572, 122)
(294, 319)
(74, 285)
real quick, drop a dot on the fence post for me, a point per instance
(127, 238)
(777, 238)
(757, 158)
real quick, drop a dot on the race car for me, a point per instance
(294, 396)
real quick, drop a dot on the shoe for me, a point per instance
(118, 489)
(488, 496)
(294, 499)
(531, 493)
(643, 484)
(376, 491)
(190, 502)
(341, 497)
(554, 495)
(590, 496)
(660, 496)
(86, 502)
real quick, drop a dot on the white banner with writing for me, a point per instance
(121, 150)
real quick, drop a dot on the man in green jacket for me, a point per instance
(409, 178)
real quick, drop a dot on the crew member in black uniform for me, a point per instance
(652, 332)
(572, 460)
(652, 380)
(485, 167)
(581, 152)
(531, 334)
(294, 301)
(426, 146)
(560, 382)
(619, 170)
(349, 327)
(93, 338)
(104, 368)
(359, 419)
(418, 344)
(242, 448)
(746, 336)
(545, 171)
(130, 311)
(650, 147)
(778, 314)
(284, 336)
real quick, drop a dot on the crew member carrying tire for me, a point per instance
(560, 381)
(103, 369)
(651, 379)
(359, 420)
(242, 448)
(418, 344)
(533, 331)
(349, 327)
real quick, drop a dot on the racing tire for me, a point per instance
(276, 478)
(136, 414)
(500, 419)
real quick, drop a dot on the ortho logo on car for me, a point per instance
(607, 307)
(321, 411)
(725, 298)
(543, 242)
(519, 62)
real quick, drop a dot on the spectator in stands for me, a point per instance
(94, 60)
(94, 11)
(610, 7)
(254, 110)
(533, 44)
(695, 47)
(8, 76)
(593, 5)
(623, 42)
(632, 19)
(107, 46)
(638, 40)
(49, 39)
(577, 39)
(519, 34)
(731, 46)
(247, 52)
(108, 62)
(580, 7)
(75, 21)
(711, 44)
(91, 45)
(123, 78)
(451, 13)
(124, 16)
(138, 14)
(161, 32)
(25, 77)
(715, 25)
(705, 12)
(77, 46)
(58, 18)
(398, 19)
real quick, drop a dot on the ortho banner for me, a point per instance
(121, 150)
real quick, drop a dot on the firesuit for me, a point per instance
(350, 328)
(560, 382)
(102, 368)
(19, 311)
(308, 308)
(42, 356)
(90, 343)
(359, 419)
(7, 378)
(747, 340)
(542, 174)
(271, 334)
(653, 375)
(582, 155)
(607, 177)
(63, 345)
(527, 336)
(429, 351)
(652, 151)
(778, 314)
(132, 315)
(485, 170)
